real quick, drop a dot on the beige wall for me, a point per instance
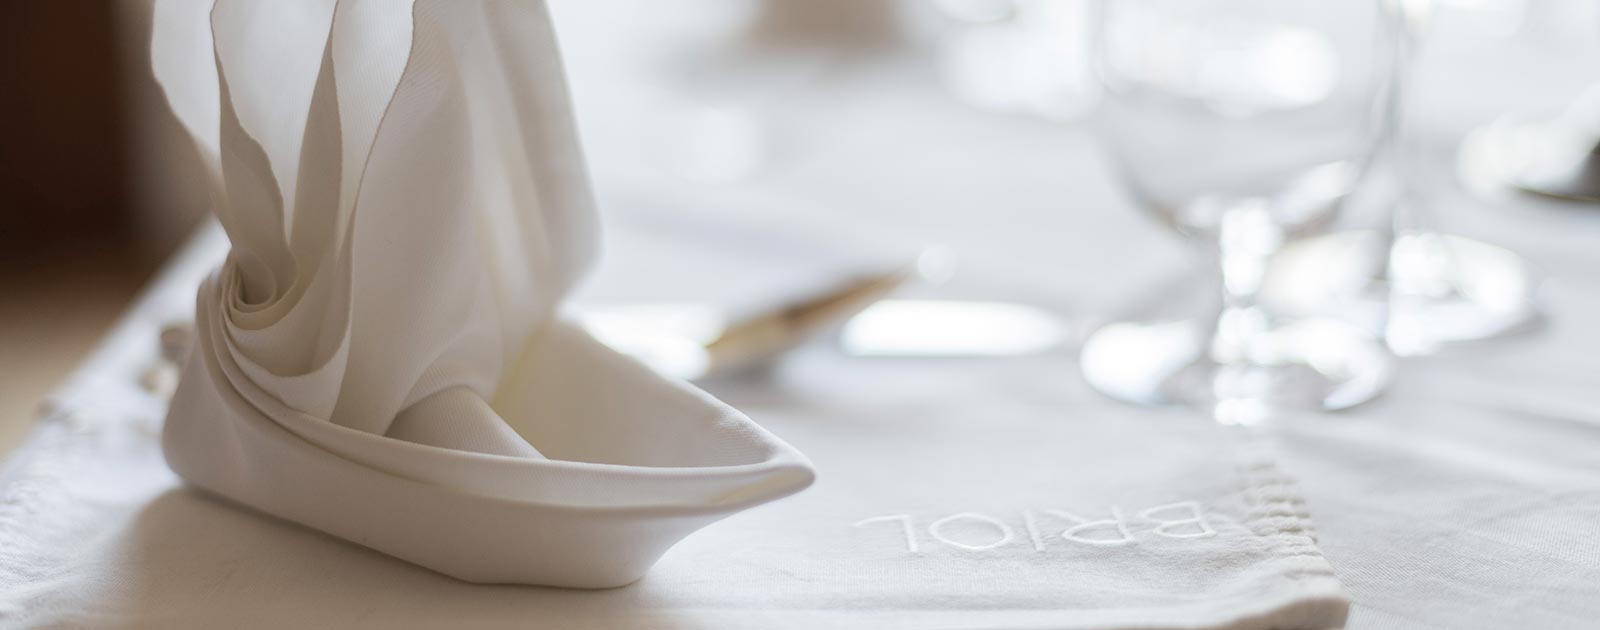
(167, 195)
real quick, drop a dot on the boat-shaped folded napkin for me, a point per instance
(382, 356)
(632, 463)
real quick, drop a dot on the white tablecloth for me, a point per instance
(1468, 497)
(953, 494)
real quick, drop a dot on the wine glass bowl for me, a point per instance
(1217, 100)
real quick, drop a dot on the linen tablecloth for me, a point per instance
(1467, 497)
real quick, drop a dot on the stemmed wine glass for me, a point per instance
(1246, 125)
(1443, 287)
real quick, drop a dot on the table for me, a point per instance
(1467, 497)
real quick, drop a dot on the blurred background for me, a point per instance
(94, 186)
(701, 101)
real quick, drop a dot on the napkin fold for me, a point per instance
(382, 356)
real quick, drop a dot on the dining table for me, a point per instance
(1466, 496)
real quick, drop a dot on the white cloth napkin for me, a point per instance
(380, 357)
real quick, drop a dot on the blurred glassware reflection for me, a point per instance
(1245, 126)
(1455, 288)
(1443, 288)
(1447, 288)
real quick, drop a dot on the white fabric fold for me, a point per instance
(381, 355)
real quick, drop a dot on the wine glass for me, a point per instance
(1444, 287)
(1246, 125)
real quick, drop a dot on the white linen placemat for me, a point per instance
(950, 495)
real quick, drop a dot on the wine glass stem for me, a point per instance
(1247, 236)
(1413, 211)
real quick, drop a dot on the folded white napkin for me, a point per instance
(381, 355)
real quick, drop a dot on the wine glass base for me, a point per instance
(1442, 288)
(1308, 365)
(1451, 289)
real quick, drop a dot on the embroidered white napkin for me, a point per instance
(380, 357)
